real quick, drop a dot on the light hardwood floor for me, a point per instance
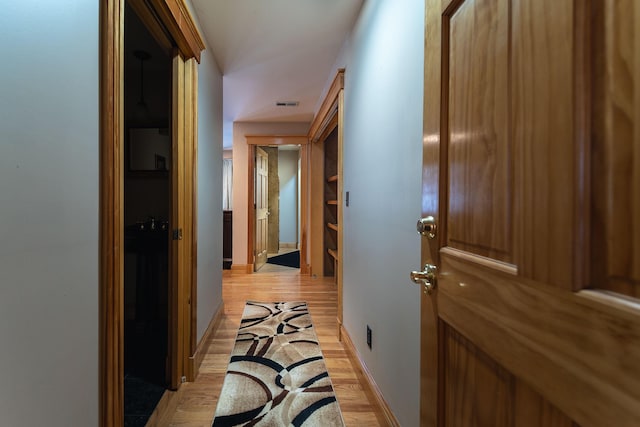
(196, 401)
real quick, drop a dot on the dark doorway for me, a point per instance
(147, 205)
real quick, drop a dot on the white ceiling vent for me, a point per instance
(287, 103)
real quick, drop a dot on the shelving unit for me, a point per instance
(331, 222)
(326, 187)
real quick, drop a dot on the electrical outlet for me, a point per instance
(369, 336)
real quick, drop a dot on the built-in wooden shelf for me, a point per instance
(333, 178)
(332, 202)
(333, 253)
(332, 226)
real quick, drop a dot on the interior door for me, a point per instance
(531, 159)
(262, 207)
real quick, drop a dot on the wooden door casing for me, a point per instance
(174, 16)
(511, 336)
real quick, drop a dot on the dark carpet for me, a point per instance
(292, 259)
(140, 400)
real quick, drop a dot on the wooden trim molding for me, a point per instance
(251, 211)
(201, 349)
(193, 300)
(304, 209)
(175, 15)
(328, 108)
(277, 139)
(340, 240)
(373, 390)
(158, 31)
(332, 123)
(111, 263)
(241, 268)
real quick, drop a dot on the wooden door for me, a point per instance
(262, 207)
(531, 169)
(182, 247)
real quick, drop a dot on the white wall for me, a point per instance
(240, 184)
(209, 219)
(49, 213)
(382, 171)
(288, 176)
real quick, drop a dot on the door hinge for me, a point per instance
(177, 234)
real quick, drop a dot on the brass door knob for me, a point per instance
(427, 278)
(427, 227)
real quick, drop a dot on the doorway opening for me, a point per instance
(283, 208)
(147, 207)
(173, 30)
(278, 194)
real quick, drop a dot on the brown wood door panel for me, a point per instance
(558, 342)
(542, 120)
(477, 141)
(615, 255)
(535, 186)
(532, 410)
(480, 392)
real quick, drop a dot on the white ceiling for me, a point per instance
(274, 50)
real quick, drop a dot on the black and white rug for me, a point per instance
(276, 375)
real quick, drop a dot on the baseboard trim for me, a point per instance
(202, 345)
(373, 387)
(241, 268)
(288, 245)
(305, 269)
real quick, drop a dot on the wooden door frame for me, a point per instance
(276, 140)
(329, 117)
(174, 15)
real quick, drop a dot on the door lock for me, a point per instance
(427, 278)
(427, 227)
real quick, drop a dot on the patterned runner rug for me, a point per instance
(276, 375)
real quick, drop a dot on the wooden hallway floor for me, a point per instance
(195, 403)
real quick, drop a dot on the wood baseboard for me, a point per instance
(305, 269)
(201, 350)
(374, 391)
(241, 268)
